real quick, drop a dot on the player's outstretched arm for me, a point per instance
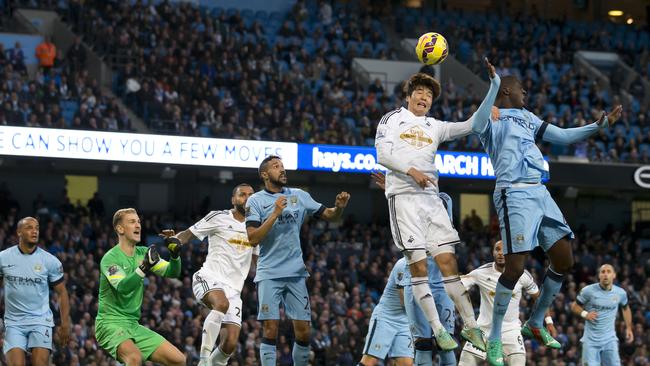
(63, 332)
(567, 136)
(257, 231)
(335, 213)
(481, 117)
(184, 236)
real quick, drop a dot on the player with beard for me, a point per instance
(273, 219)
(219, 282)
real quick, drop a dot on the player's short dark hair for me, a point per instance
(265, 163)
(234, 190)
(422, 80)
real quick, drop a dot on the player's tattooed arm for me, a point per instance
(335, 213)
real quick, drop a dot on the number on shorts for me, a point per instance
(448, 315)
(521, 342)
(238, 312)
(306, 302)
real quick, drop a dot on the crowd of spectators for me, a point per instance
(349, 263)
(540, 52)
(242, 74)
(59, 93)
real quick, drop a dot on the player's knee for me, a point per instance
(367, 360)
(133, 359)
(230, 343)
(216, 302)
(447, 264)
(177, 359)
(303, 332)
(418, 268)
(270, 329)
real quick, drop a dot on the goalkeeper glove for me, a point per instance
(174, 245)
(151, 258)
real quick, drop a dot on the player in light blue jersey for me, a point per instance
(389, 335)
(598, 304)
(28, 273)
(528, 216)
(273, 219)
(420, 327)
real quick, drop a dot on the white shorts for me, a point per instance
(513, 343)
(205, 281)
(420, 222)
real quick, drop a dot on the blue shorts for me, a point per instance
(529, 217)
(27, 337)
(597, 355)
(290, 292)
(420, 327)
(388, 339)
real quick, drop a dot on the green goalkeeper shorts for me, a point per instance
(111, 335)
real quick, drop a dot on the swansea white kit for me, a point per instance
(228, 261)
(418, 217)
(486, 277)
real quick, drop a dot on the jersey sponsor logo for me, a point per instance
(8, 265)
(240, 242)
(521, 122)
(416, 137)
(288, 218)
(24, 281)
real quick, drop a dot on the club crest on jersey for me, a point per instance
(416, 137)
(293, 200)
(265, 308)
(614, 298)
(38, 268)
(519, 238)
(400, 276)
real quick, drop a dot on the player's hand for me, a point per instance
(629, 335)
(174, 246)
(280, 205)
(551, 329)
(151, 258)
(492, 72)
(380, 179)
(592, 316)
(342, 200)
(420, 178)
(63, 334)
(167, 233)
(612, 117)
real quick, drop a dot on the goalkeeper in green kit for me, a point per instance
(121, 288)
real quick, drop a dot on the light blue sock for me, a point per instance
(447, 358)
(551, 286)
(268, 352)
(300, 353)
(502, 297)
(423, 358)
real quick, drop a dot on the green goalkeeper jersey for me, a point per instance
(121, 288)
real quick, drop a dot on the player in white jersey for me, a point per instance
(485, 278)
(219, 282)
(406, 142)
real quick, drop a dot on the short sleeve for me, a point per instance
(206, 225)
(528, 284)
(112, 270)
(54, 270)
(312, 207)
(256, 250)
(540, 126)
(584, 296)
(469, 280)
(384, 132)
(253, 212)
(623, 299)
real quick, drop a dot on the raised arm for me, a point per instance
(481, 118)
(257, 230)
(335, 213)
(567, 136)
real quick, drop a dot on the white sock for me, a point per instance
(219, 358)
(460, 297)
(423, 297)
(211, 328)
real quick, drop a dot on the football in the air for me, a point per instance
(432, 48)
